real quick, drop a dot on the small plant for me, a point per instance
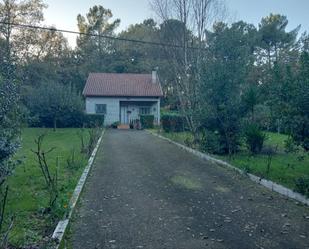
(210, 142)
(94, 135)
(290, 146)
(80, 134)
(254, 138)
(72, 163)
(4, 231)
(51, 178)
(147, 121)
(173, 123)
(270, 154)
(302, 185)
(115, 125)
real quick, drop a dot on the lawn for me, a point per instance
(285, 168)
(28, 197)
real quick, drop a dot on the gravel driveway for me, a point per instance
(144, 192)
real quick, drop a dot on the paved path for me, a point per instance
(144, 192)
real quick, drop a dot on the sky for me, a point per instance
(62, 13)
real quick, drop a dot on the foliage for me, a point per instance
(94, 135)
(302, 185)
(55, 105)
(18, 43)
(147, 121)
(9, 143)
(173, 122)
(228, 64)
(115, 125)
(9, 126)
(211, 142)
(72, 162)
(254, 138)
(93, 120)
(300, 104)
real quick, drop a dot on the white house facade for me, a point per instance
(123, 98)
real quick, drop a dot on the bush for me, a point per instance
(55, 105)
(254, 138)
(211, 143)
(115, 125)
(147, 121)
(173, 123)
(93, 120)
(300, 131)
(302, 185)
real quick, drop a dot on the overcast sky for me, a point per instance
(62, 13)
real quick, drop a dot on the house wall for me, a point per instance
(113, 107)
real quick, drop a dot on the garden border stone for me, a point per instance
(266, 183)
(59, 231)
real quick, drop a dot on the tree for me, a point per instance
(138, 58)
(18, 42)
(9, 143)
(299, 113)
(55, 105)
(51, 60)
(188, 20)
(275, 41)
(92, 50)
(226, 67)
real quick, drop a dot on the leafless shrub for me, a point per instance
(51, 178)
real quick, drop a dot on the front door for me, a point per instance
(124, 119)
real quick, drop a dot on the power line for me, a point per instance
(19, 25)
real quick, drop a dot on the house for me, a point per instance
(123, 97)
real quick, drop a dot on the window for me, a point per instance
(100, 108)
(144, 110)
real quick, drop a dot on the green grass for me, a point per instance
(285, 168)
(28, 197)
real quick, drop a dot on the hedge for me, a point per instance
(173, 123)
(71, 120)
(147, 121)
(93, 120)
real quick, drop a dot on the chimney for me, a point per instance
(154, 77)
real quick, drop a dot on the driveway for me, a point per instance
(144, 192)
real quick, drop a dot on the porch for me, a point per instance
(130, 111)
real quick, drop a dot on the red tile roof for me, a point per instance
(113, 84)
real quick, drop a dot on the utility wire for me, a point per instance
(27, 26)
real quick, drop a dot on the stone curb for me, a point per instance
(62, 224)
(266, 183)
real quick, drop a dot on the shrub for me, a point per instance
(254, 138)
(55, 105)
(210, 142)
(115, 125)
(290, 145)
(300, 131)
(147, 121)
(93, 120)
(173, 123)
(302, 185)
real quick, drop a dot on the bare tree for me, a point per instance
(195, 17)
